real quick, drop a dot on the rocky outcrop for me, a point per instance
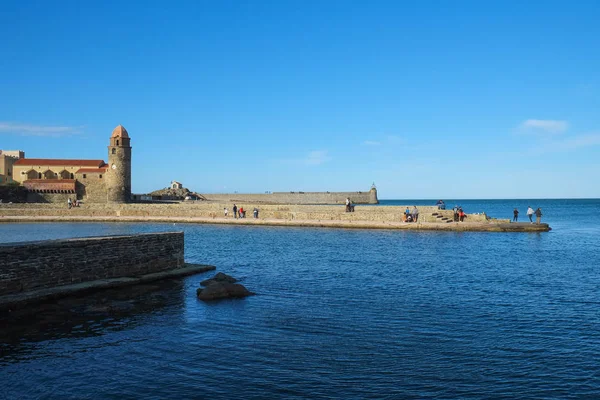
(219, 278)
(222, 286)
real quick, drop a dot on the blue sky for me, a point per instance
(426, 99)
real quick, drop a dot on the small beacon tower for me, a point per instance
(373, 195)
(118, 176)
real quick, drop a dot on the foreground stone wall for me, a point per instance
(31, 266)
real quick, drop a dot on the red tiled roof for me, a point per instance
(59, 162)
(92, 170)
(34, 185)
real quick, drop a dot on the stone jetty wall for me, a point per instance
(368, 197)
(30, 266)
(215, 210)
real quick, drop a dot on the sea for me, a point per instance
(339, 314)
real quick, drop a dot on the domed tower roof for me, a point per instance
(120, 131)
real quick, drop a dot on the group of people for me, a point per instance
(530, 213)
(440, 205)
(459, 214)
(72, 203)
(240, 212)
(411, 216)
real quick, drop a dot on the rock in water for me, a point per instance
(219, 277)
(213, 292)
(237, 290)
(223, 290)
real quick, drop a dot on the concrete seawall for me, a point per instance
(54, 267)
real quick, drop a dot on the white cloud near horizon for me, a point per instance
(576, 142)
(38, 130)
(569, 144)
(316, 157)
(544, 126)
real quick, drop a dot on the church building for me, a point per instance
(94, 181)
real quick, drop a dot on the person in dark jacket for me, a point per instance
(538, 215)
(515, 215)
(234, 211)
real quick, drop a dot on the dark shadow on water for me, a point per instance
(84, 316)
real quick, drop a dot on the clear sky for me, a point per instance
(428, 99)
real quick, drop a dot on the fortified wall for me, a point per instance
(32, 266)
(368, 197)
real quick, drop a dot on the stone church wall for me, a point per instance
(92, 188)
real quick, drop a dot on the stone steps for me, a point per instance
(442, 218)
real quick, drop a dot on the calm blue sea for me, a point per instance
(345, 314)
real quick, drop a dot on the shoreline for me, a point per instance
(344, 224)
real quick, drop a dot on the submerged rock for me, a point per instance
(222, 286)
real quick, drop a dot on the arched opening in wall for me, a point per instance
(32, 174)
(114, 151)
(72, 176)
(48, 174)
(39, 175)
(100, 177)
(117, 142)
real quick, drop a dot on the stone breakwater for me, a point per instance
(53, 268)
(368, 197)
(374, 217)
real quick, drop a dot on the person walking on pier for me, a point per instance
(516, 215)
(538, 215)
(530, 214)
(225, 211)
(234, 211)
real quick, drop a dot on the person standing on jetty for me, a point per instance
(455, 209)
(516, 215)
(234, 211)
(69, 203)
(530, 213)
(415, 214)
(538, 215)
(225, 211)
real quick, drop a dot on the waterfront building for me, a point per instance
(95, 181)
(7, 160)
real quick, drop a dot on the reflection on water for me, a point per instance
(95, 314)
